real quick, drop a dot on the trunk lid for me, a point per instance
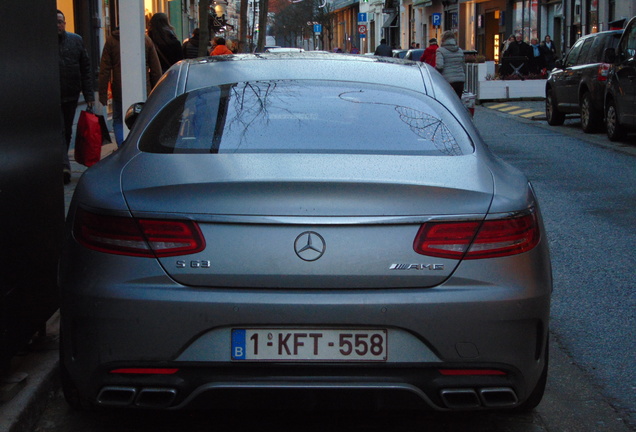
(307, 221)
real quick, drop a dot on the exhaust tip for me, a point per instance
(498, 397)
(117, 396)
(155, 397)
(460, 398)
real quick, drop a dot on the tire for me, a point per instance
(615, 131)
(591, 118)
(552, 113)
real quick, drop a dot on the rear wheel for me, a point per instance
(552, 113)
(614, 129)
(591, 118)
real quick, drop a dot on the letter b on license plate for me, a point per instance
(309, 345)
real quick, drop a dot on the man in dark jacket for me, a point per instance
(383, 49)
(75, 77)
(519, 48)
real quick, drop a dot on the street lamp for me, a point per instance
(220, 6)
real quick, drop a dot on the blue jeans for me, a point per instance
(67, 118)
(118, 123)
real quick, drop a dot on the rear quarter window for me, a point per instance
(586, 55)
(305, 117)
(571, 59)
(596, 51)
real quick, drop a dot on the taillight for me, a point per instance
(603, 72)
(477, 240)
(137, 237)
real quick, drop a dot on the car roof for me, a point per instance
(210, 71)
(601, 34)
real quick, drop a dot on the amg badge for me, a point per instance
(416, 267)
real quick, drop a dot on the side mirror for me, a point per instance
(132, 113)
(609, 55)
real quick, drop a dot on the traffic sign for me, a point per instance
(317, 28)
(362, 17)
(362, 29)
(437, 19)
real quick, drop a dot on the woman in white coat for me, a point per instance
(450, 62)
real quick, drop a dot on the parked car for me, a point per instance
(284, 49)
(577, 84)
(620, 93)
(414, 54)
(399, 53)
(252, 234)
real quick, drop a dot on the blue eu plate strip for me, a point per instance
(238, 344)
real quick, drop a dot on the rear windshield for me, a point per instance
(305, 117)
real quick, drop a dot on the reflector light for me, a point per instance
(477, 240)
(603, 72)
(137, 237)
(146, 371)
(468, 372)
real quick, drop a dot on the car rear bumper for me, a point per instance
(489, 320)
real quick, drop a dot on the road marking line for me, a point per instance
(521, 111)
(497, 106)
(509, 108)
(532, 114)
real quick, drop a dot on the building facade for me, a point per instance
(480, 25)
(483, 25)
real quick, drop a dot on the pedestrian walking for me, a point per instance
(110, 73)
(518, 48)
(191, 46)
(75, 77)
(428, 56)
(537, 60)
(219, 48)
(168, 47)
(550, 52)
(506, 45)
(383, 49)
(450, 62)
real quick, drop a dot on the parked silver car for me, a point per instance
(304, 223)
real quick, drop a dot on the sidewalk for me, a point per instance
(33, 374)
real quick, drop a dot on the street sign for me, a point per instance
(362, 29)
(317, 28)
(362, 17)
(437, 19)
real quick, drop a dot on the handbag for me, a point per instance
(88, 139)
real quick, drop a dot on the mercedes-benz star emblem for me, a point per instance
(309, 246)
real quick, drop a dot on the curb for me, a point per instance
(39, 362)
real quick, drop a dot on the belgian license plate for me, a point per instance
(368, 345)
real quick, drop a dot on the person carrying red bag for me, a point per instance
(75, 76)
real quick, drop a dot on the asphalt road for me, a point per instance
(586, 188)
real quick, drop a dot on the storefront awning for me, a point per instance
(423, 3)
(390, 20)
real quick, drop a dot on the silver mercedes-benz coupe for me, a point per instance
(304, 223)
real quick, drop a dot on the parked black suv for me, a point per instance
(620, 93)
(577, 83)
